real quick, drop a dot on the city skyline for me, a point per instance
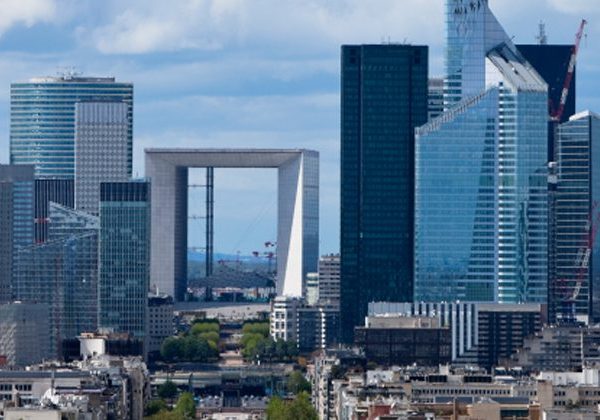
(189, 91)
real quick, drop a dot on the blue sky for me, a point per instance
(248, 73)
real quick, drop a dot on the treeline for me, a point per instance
(200, 344)
(258, 345)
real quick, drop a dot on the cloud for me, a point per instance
(154, 25)
(27, 12)
(578, 7)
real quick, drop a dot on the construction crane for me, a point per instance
(582, 262)
(557, 113)
(270, 256)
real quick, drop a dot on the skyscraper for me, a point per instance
(384, 97)
(16, 219)
(124, 256)
(101, 150)
(59, 191)
(435, 101)
(42, 113)
(575, 282)
(62, 272)
(481, 223)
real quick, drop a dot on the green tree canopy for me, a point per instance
(155, 406)
(186, 406)
(167, 390)
(299, 408)
(297, 383)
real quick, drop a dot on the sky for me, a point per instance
(248, 73)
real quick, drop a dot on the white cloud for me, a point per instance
(578, 7)
(27, 12)
(154, 25)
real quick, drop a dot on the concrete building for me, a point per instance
(298, 211)
(311, 289)
(124, 250)
(101, 150)
(482, 333)
(161, 321)
(329, 280)
(44, 136)
(396, 339)
(24, 333)
(16, 219)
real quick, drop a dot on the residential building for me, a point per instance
(59, 191)
(311, 288)
(16, 219)
(575, 281)
(283, 318)
(24, 333)
(329, 280)
(161, 321)
(102, 146)
(124, 250)
(559, 348)
(42, 114)
(392, 339)
(317, 327)
(481, 201)
(62, 273)
(383, 98)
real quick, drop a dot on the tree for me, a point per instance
(167, 390)
(186, 406)
(276, 409)
(155, 406)
(297, 383)
(301, 408)
(171, 349)
(205, 327)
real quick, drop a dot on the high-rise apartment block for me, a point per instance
(124, 275)
(42, 127)
(481, 201)
(384, 97)
(16, 219)
(101, 150)
(575, 278)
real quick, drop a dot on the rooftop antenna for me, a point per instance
(542, 37)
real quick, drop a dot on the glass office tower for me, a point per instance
(16, 219)
(481, 231)
(384, 97)
(42, 120)
(575, 282)
(62, 272)
(124, 256)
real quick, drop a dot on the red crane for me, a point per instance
(557, 114)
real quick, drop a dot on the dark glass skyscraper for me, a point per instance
(384, 97)
(124, 274)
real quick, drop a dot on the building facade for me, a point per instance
(435, 99)
(575, 281)
(42, 120)
(329, 280)
(481, 200)
(384, 97)
(124, 250)
(161, 321)
(59, 191)
(16, 219)
(101, 150)
(24, 333)
(62, 273)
